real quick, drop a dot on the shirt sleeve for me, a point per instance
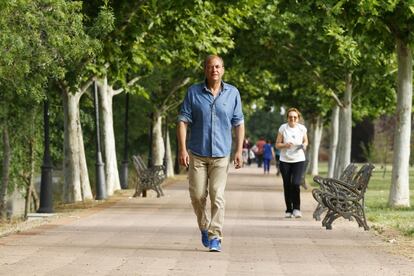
(238, 117)
(304, 129)
(185, 114)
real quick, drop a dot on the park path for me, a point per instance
(158, 236)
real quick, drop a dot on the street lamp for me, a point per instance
(150, 142)
(99, 165)
(144, 192)
(165, 161)
(46, 184)
(177, 162)
(124, 167)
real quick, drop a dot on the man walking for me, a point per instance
(211, 109)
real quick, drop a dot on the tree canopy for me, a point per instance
(278, 53)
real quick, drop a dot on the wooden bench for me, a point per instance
(344, 198)
(346, 176)
(148, 178)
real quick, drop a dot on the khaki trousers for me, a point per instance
(208, 176)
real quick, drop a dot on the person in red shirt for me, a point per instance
(259, 153)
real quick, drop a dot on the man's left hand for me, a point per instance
(238, 160)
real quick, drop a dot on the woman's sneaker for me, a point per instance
(297, 213)
(288, 215)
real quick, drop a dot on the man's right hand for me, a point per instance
(184, 158)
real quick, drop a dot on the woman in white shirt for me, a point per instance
(292, 141)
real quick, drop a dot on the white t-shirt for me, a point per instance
(295, 136)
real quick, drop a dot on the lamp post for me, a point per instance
(46, 184)
(176, 163)
(124, 167)
(150, 142)
(99, 165)
(165, 161)
(144, 192)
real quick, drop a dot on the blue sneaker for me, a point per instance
(204, 238)
(215, 245)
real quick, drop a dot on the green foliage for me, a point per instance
(42, 42)
(138, 125)
(272, 60)
(24, 137)
(310, 50)
(176, 41)
(56, 127)
(278, 53)
(104, 23)
(263, 123)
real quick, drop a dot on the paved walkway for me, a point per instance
(158, 236)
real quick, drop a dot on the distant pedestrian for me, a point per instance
(268, 156)
(259, 152)
(246, 149)
(292, 141)
(211, 109)
(252, 155)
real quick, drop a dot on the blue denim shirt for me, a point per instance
(211, 119)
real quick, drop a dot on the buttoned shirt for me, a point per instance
(211, 118)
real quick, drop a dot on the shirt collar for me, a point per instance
(223, 86)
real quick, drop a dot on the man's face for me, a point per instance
(214, 70)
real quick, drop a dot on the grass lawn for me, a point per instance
(379, 215)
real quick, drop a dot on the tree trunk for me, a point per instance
(170, 164)
(84, 174)
(35, 198)
(76, 186)
(333, 140)
(400, 191)
(5, 172)
(111, 168)
(71, 166)
(157, 140)
(343, 156)
(317, 129)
